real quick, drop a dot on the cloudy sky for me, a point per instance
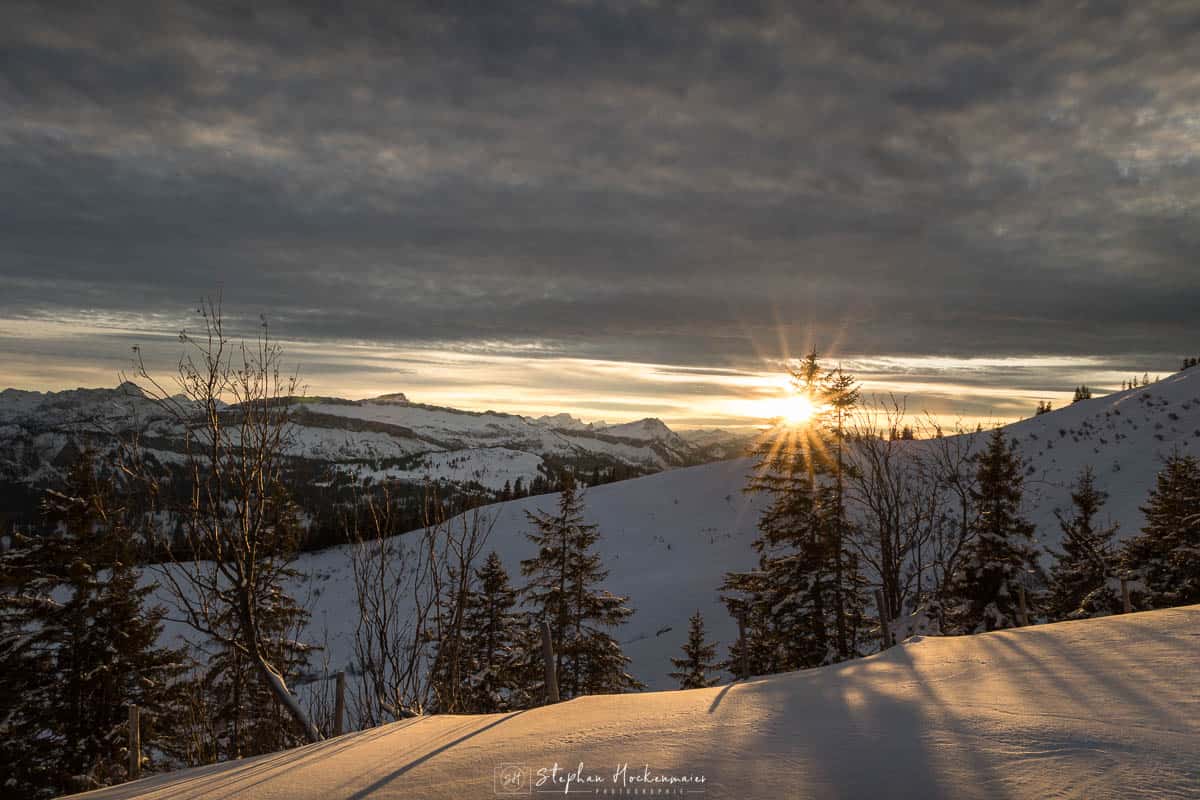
(616, 209)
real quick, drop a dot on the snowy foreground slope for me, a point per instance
(1096, 708)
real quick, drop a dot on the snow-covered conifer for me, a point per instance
(699, 658)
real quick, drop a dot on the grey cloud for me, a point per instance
(662, 182)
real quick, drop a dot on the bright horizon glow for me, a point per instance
(45, 354)
(796, 410)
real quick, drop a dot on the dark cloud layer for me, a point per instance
(688, 183)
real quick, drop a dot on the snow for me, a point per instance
(337, 444)
(491, 467)
(668, 539)
(1094, 708)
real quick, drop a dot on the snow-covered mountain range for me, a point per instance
(383, 438)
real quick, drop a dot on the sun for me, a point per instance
(797, 409)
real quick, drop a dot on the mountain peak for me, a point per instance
(650, 428)
(565, 421)
(130, 389)
(394, 398)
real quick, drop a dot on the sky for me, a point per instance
(616, 209)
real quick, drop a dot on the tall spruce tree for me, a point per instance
(493, 637)
(699, 658)
(840, 395)
(761, 649)
(563, 590)
(78, 646)
(1001, 554)
(1166, 554)
(1082, 578)
(803, 605)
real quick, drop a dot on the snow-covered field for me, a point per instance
(1102, 708)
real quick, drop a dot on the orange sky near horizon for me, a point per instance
(534, 381)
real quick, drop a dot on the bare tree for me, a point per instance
(885, 483)
(410, 591)
(949, 467)
(231, 411)
(912, 490)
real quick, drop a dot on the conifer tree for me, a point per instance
(1166, 554)
(78, 646)
(493, 636)
(983, 593)
(1081, 580)
(563, 590)
(840, 396)
(803, 604)
(698, 660)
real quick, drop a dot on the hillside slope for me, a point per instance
(1097, 708)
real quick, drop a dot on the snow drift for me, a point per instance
(1096, 708)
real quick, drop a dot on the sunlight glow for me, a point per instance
(797, 409)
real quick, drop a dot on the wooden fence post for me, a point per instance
(885, 633)
(135, 744)
(339, 703)
(1022, 610)
(548, 658)
(1126, 603)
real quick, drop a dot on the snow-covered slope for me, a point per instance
(1123, 436)
(666, 539)
(1090, 709)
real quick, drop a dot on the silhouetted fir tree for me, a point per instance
(760, 652)
(565, 575)
(840, 396)
(493, 635)
(698, 660)
(1082, 393)
(77, 647)
(983, 594)
(805, 597)
(1082, 578)
(1166, 554)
